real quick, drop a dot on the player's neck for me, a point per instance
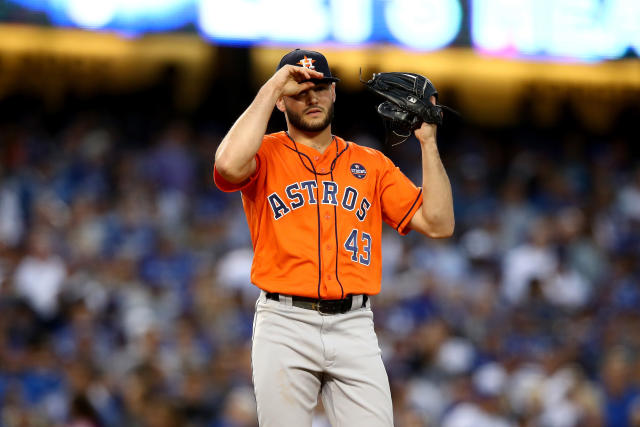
(319, 141)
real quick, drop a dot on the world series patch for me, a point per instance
(358, 170)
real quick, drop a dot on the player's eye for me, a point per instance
(300, 96)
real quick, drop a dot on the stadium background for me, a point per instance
(124, 289)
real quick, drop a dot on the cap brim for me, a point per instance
(325, 80)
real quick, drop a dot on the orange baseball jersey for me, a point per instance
(316, 219)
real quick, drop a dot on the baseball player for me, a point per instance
(315, 204)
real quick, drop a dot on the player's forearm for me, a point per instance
(437, 205)
(236, 153)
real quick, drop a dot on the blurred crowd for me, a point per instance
(125, 297)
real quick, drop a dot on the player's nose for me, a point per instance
(312, 97)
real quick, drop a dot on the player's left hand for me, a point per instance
(427, 131)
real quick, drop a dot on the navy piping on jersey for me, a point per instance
(410, 209)
(313, 169)
(335, 229)
(315, 174)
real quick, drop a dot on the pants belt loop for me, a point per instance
(356, 302)
(286, 300)
(263, 295)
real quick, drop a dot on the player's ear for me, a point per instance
(280, 104)
(333, 91)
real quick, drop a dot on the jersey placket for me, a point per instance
(328, 197)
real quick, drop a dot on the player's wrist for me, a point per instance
(272, 89)
(427, 140)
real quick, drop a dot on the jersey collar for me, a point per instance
(313, 157)
(337, 145)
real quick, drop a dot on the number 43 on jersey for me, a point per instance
(360, 248)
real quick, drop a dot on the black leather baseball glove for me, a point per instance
(407, 103)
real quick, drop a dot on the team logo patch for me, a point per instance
(358, 170)
(307, 63)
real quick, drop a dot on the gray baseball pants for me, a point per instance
(299, 353)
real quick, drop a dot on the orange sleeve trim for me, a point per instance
(229, 187)
(403, 225)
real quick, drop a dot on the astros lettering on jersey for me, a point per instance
(316, 222)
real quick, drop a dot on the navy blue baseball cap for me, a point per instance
(309, 59)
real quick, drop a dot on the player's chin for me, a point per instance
(315, 123)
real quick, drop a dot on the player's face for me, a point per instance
(311, 110)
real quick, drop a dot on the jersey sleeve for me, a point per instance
(248, 186)
(229, 187)
(400, 197)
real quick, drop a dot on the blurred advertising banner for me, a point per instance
(557, 30)
(54, 62)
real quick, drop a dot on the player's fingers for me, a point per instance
(307, 73)
(432, 99)
(306, 85)
(315, 74)
(300, 74)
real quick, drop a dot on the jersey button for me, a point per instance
(316, 158)
(328, 247)
(329, 277)
(321, 169)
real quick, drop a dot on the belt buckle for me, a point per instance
(317, 306)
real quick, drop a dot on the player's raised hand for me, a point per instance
(291, 80)
(427, 131)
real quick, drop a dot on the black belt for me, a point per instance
(324, 306)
